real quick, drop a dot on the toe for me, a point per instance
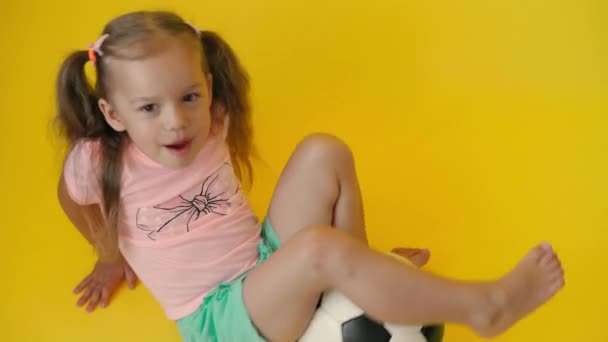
(556, 266)
(548, 258)
(546, 246)
(557, 285)
(558, 274)
(537, 253)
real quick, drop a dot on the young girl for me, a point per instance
(157, 148)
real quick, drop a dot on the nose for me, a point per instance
(176, 119)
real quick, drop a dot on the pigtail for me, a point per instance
(231, 97)
(111, 152)
(79, 117)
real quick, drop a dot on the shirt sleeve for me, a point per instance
(81, 173)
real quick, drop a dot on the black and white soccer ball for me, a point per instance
(338, 319)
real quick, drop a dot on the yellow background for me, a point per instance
(479, 129)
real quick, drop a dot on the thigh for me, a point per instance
(282, 292)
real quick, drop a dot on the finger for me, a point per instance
(105, 297)
(130, 276)
(86, 295)
(94, 299)
(406, 252)
(82, 284)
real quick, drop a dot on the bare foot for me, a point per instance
(537, 277)
(417, 256)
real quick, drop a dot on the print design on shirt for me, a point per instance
(214, 198)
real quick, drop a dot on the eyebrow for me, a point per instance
(149, 99)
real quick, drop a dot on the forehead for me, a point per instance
(169, 64)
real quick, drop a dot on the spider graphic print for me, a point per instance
(217, 195)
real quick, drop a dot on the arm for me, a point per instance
(99, 285)
(80, 216)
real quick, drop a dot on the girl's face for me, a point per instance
(162, 101)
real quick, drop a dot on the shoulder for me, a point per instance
(81, 171)
(86, 146)
(84, 153)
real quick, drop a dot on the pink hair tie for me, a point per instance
(96, 48)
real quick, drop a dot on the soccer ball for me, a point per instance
(338, 319)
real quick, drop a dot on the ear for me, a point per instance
(110, 115)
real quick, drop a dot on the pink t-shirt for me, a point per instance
(182, 231)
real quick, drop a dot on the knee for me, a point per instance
(324, 148)
(325, 249)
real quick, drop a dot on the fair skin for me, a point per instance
(308, 200)
(107, 275)
(167, 120)
(317, 192)
(156, 115)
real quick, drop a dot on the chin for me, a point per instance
(180, 163)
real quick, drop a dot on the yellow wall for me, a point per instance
(479, 129)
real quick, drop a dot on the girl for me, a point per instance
(157, 148)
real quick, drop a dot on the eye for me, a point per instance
(191, 97)
(148, 108)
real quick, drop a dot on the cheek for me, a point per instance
(204, 118)
(142, 133)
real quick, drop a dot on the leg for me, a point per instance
(319, 258)
(318, 186)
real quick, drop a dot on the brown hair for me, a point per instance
(79, 116)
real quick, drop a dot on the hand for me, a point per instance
(102, 282)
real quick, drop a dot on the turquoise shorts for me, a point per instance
(223, 316)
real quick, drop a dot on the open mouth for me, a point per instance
(180, 146)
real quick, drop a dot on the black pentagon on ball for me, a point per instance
(363, 329)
